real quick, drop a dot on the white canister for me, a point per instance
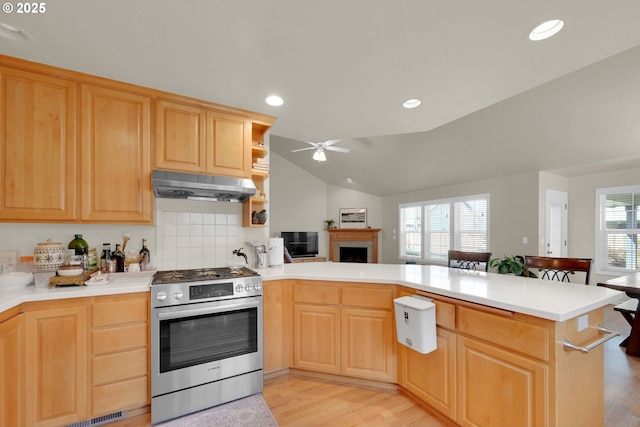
(48, 256)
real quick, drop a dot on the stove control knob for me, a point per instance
(161, 296)
(258, 286)
(239, 288)
(248, 287)
(178, 295)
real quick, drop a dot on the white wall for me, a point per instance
(297, 201)
(582, 212)
(513, 207)
(24, 237)
(301, 202)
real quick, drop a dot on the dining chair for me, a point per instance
(469, 260)
(558, 269)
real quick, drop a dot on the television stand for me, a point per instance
(310, 259)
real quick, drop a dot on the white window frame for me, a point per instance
(602, 266)
(453, 232)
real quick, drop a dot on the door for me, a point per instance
(556, 224)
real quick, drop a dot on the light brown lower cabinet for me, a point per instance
(492, 367)
(277, 325)
(56, 360)
(83, 358)
(12, 371)
(346, 329)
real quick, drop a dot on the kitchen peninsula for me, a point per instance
(500, 359)
(499, 362)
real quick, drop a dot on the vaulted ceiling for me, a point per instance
(493, 102)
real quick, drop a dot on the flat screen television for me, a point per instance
(301, 243)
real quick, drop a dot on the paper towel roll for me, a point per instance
(276, 252)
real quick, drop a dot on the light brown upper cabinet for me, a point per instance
(116, 156)
(191, 138)
(180, 136)
(38, 157)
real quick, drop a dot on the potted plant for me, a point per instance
(511, 265)
(329, 223)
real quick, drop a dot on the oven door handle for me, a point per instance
(205, 310)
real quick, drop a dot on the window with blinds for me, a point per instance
(458, 223)
(617, 229)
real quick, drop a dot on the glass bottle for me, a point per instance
(79, 245)
(145, 255)
(119, 257)
(105, 258)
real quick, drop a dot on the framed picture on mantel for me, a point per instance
(353, 218)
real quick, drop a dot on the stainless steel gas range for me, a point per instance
(206, 339)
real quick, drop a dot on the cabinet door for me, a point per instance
(316, 331)
(498, 388)
(12, 371)
(367, 344)
(432, 376)
(56, 354)
(115, 153)
(37, 147)
(180, 136)
(277, 325)
(228, 146)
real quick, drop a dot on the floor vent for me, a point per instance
(98, 421)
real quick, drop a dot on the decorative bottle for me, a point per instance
(119, 257)
(105, 258)
(79, 245)
(145, 255)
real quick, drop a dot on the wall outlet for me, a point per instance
(525, 240)
(583, 322)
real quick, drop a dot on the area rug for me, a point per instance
(250, 411)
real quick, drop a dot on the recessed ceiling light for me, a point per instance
(274, 100)
(546, 29)
(411, 103)
(12, 33)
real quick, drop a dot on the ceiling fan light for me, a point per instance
(319, 155)
(546, 29)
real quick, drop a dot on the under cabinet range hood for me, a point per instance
(179, 185)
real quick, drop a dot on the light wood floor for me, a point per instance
(298, 401)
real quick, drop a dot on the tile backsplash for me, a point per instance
(196, 240)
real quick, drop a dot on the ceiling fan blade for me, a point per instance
(303, 149)
(340, 149)
(330, 142)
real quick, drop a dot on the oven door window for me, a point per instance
(201, 339)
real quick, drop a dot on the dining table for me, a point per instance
(630, 285)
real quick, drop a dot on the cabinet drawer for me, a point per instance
(368, 297)
(114, 312)
(119, 366)
(445, 314)
(525, 338)
(129, 394)
(316, 294)
(112, 340)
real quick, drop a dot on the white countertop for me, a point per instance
(535, 297)
(122, 283)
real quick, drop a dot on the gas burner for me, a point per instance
(200, 274)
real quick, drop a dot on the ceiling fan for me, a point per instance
(320, 147)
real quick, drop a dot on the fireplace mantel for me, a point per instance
(367, 236)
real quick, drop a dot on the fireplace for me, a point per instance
(353, 245)
(348, 254)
